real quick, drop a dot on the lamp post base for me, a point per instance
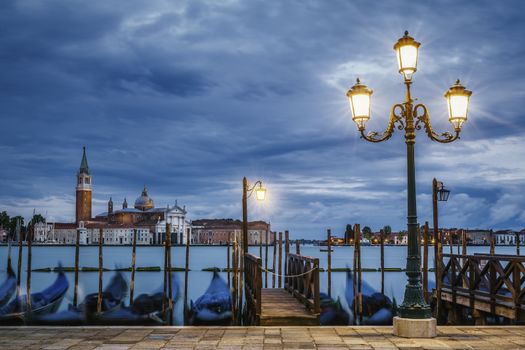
(415, 327)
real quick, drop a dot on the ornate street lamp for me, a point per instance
(409, 117)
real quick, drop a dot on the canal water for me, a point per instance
(202, 257)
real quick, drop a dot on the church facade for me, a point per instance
(117, 227)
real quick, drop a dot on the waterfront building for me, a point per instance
(216, 231)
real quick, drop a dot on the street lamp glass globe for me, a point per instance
(260, 193)
(457, 100)
(407, 53)
(359, 97)
(443, 194)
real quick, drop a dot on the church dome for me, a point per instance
(144, 202)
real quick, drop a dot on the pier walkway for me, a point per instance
(295, 304)
(121, 338)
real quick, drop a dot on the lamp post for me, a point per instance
(260, 195)
(409, 117)
(439, 194)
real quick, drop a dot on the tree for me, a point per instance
(387, 230)
(37, 218)
(12, 226)
(4, 220)
(367, 232)
(349, 233)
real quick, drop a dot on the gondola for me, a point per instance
(42, 303)
(146, 310)
(86, 312)
(377, 307)
(214, 307)
(7, 289)
(332, 312)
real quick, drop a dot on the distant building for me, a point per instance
(217, 231)
(4, 235)
(508, 237)
(117, 226)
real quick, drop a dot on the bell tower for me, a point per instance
(84, 191)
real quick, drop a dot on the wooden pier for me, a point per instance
(485, 285)
(295, 304)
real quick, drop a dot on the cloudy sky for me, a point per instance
(188, 97)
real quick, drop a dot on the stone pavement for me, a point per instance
(117, 338)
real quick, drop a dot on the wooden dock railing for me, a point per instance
(492, 284)
(253, 280)
(302, 280)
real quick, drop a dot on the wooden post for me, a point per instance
(133, 260)
(266, 258)
(228, 259)
(463, 242)
(77, 252)
(186, 274)
(30, 232)
(518, 243)
(165, 281)
(354, 278)
(359, 280)
(450, 242)
(425, 262)
(273, 261)
(297, 247)
(382, 241)
(100, 269)
(242, 275)
(235, 279)
(19, 265)
(9, 263)
(280, 262)
(458, 243)
(260, 246)
(329, 245)
(492, 243)
(286, 252)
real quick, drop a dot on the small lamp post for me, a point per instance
(260, 195)
(439, 194)
(414, 312)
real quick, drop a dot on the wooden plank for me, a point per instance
(280, 308)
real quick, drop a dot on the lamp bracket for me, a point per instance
(424, 118)
(250, 190)
(374, 136)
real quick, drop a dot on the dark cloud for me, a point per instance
(189, 97)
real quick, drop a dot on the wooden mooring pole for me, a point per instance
(228, 258)
(273, 260)
(30, 232)
(241, 278)
(329, 245)
(359, 279)
(165, 277)
(280, 262)
(354, 278)
(463, 242)
(77, 252)
(19, 262)
(382, 242)
(297, 247)
(100, 269)
(425, 262)
(518, 243)
(235, 277)
(186, 275)
(286, 252)
(133, 260)
(266, 258)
